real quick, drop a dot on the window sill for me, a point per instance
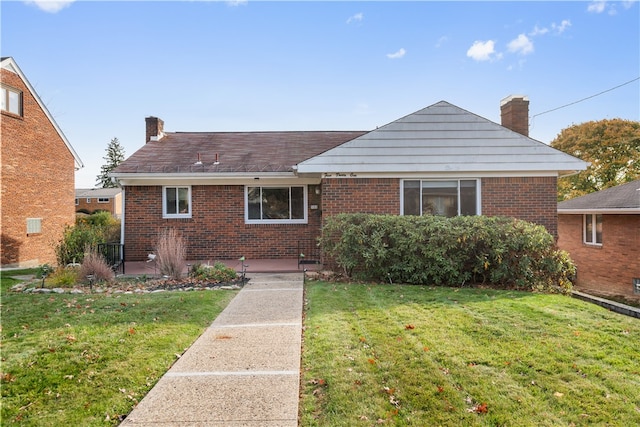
(15, 116)
(592, 245)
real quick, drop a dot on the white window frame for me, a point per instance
(303, 220)
(88, 199)
(77, 201)
(421, 180)
(103, 200)
(594, 229)
(164, 202)
(7, 105)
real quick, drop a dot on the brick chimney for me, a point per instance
(155, 127)
(514, 112)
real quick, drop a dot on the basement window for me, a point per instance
(34, 225)
(11, 101)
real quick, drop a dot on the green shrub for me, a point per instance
(217, 273)
(100, 227)
(459, 251)
(63, 277)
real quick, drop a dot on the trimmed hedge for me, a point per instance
(466, 250)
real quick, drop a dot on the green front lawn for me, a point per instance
(424, 356)
(86, 360)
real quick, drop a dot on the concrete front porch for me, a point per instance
(289, 265)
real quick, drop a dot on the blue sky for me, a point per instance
(102, 67)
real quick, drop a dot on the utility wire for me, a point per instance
(588, 97)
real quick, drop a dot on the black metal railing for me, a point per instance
(114, 254)
(308, 252)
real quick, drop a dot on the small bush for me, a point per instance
(459, 251)
(96, 228)
(63, 277)
(95, 265)
(217, 273)
(171, 254)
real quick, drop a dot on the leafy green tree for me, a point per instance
(612, 147)
(115, 156)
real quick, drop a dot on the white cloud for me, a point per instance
(234, 3)
(597, 6)
(537, 31)
(521, 45)
(442, 40)
(358, 17)
(559, 28)
(396, 55)
(483, 51)
(51, 6)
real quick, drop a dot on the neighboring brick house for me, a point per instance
(38, 168)
(91, 200)
(601, 232)
(257, 194)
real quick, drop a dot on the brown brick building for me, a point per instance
(36, 203)
(258, 194)
(601, 232)
(92, 200)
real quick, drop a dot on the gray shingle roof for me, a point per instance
(624, 197)
(443, 138)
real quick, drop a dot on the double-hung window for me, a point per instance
(440, 197)
(276, 204)
(11, 100)
(176, 202)
(592, 229)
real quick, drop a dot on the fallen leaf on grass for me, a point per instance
(372, 361)
(409, 326)
(7, 377)
(479, 409)
(558, 394)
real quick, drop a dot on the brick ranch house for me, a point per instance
(601, 232)
(92, 200)
(38, 168)
(258, 194)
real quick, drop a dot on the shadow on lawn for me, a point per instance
(333, 296)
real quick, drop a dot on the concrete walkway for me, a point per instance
(244, 370)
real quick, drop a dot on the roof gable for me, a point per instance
(442, 138)
(621, 198)
(9, 64)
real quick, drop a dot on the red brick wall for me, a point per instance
(366, 195)
(532, 199)
(37, 182)
(94, 205)
(608, 269)
(217, 229)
